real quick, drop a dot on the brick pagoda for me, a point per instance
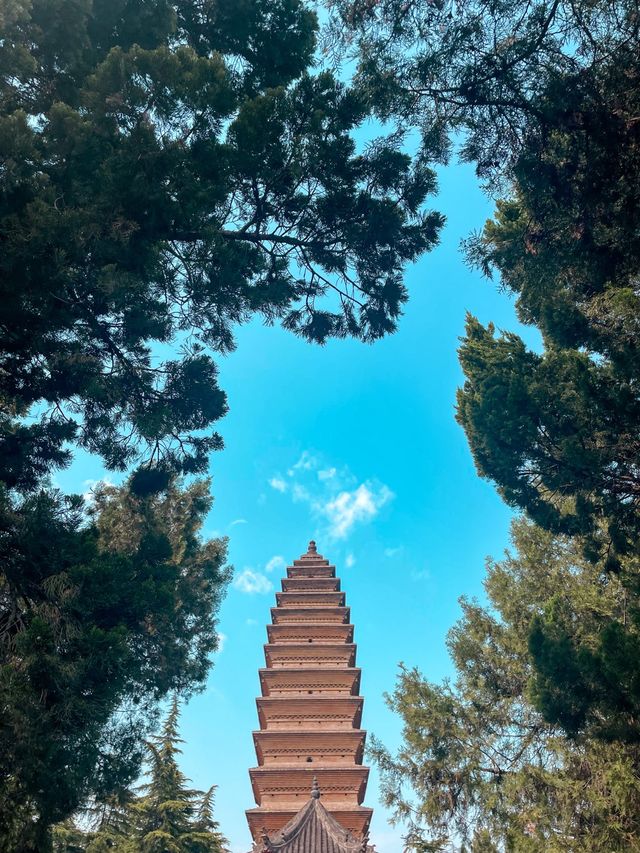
(310, 740)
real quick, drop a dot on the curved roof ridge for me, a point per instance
(312, 822)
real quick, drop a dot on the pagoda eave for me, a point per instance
(293, 782)
(310, 599)
(323, 711)
(317, 615)
(276, 748)
(323, 654)
(307, 680)
(310, 632)
(310, 584)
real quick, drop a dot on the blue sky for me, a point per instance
(357, 447)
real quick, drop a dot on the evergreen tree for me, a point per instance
(205, 836)
(100, 619)
(479, 768)
(165, 817)
(558, 430)
(68, 838)
(172, 169)
(470, 74)
(166, 812)
(113, 825)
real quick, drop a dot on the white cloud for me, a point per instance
(392, 552)
(274, 563)
(307, 462)
(251, 622)
(252, 582)
(350, 561)
(332, 494)
(222, 639)
(327, 473)
(238, 521)
(300, 494)
(420, 575)
(350, 507)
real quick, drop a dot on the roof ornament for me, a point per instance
(312, 549)
(266, 841)
(315, 789)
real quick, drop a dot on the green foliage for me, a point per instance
(171, 169)
(100, 618)
(479, 768)
(472, 72)
(558, 431)
(168, 817)
(172, 818)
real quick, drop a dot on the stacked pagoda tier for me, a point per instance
(310, 707)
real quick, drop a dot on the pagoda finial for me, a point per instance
(315, 789)
(312, 548)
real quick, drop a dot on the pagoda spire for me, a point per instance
(309, 716)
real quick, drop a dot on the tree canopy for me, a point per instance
(479, 767)
(171, 169)
(558, 430)
(166, 816)
(471, 73)
(99, 620)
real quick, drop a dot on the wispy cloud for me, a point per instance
(420, 575)
(350, 507)
(327, 473)
(252, 582)
(238, 521)
(350, 561)
(306, 462)
(392, 552)
(92, 485)
(278, 484)
(275, 563)
(301, 494)
(222, 639)
(335, 497)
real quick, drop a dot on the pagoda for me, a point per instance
(310, 744)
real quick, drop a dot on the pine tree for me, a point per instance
(102, 617)
(170, 817)
(171, 170)
(166, 816)
(479, 768)
(205, 836)
(468, 76)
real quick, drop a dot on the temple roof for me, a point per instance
(312, 830)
